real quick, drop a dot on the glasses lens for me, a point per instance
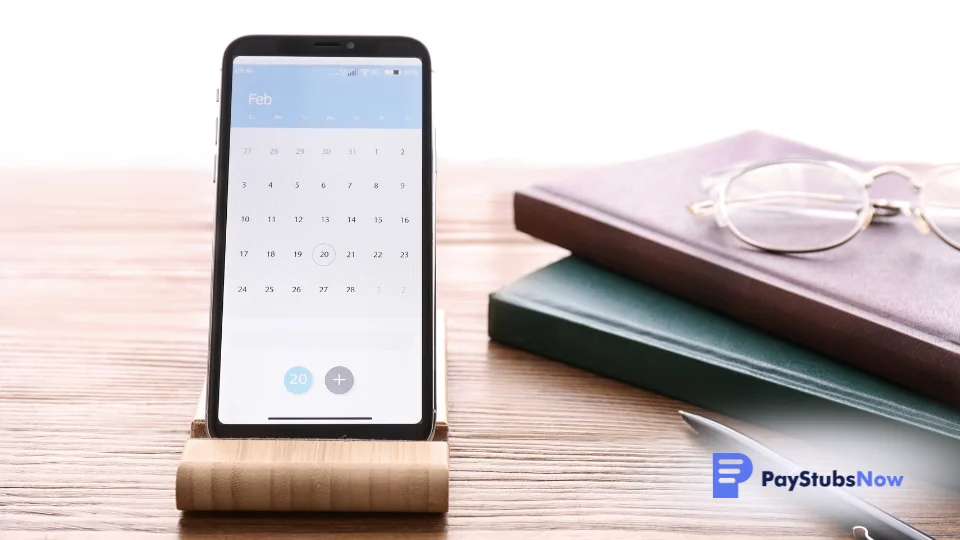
(796, 206)
(940, 200)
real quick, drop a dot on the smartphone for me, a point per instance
(323, 291)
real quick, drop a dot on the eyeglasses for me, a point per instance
(806, 205)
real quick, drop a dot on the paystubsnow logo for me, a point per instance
(729, 471)
(732, 469)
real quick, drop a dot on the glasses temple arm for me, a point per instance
(761, 202)
(710, 183)
(705, 207)
(702, 208)
(715, 179)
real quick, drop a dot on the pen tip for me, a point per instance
(689, 419)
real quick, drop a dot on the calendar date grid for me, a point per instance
(319, 214)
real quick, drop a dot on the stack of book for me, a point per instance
(857, 347)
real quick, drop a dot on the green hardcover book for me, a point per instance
(592, 318)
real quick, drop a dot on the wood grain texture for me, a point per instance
(312, 475)
(104, 289)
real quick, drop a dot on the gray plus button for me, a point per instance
(339, 380)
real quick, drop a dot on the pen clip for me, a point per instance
(861, 533)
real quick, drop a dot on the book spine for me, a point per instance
(904, 357)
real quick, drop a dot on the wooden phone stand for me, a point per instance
(319, 475)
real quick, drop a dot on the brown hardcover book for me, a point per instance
(887, 302)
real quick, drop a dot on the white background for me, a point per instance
(97, 84)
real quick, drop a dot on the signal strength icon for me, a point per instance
(352, 73)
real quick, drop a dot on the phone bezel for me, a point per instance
(324, 46)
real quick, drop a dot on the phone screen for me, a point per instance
(323, 300)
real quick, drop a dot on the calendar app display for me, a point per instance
(324, 253)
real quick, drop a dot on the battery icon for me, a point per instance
(391, 72)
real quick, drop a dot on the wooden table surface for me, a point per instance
(104, 280)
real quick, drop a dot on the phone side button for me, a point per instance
(215, 168)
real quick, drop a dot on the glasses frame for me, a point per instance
(718, 183)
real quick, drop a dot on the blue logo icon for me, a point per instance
(730, 470)
(298, 380)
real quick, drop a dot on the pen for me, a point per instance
(853, 510)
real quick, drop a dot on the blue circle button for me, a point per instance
(298, 380)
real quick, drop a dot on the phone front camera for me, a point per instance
(349, 44)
